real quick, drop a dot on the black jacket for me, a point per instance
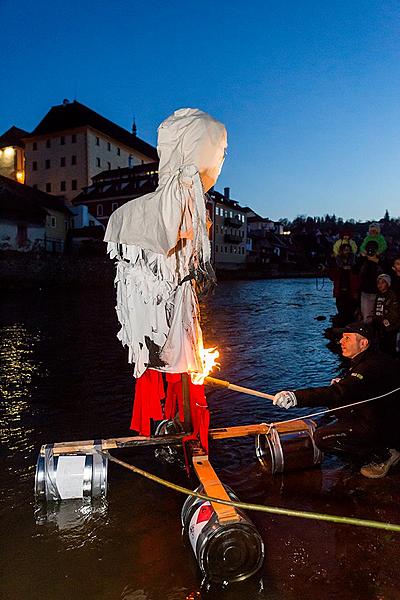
(370, 374)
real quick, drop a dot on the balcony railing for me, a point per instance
(229, 238)
(233, 222)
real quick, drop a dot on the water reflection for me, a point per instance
(77, 519)
(64, 376)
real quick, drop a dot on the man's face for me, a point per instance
(396, 266)
(352, 344)
(382, 285)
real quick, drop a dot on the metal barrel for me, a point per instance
(225, 552)
(281, 451)
(67, 476)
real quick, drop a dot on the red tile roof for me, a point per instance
(73, 115)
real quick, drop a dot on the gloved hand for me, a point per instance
(335, 380)
(285, 399)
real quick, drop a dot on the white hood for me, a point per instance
(191, 145)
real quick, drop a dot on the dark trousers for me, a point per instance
(348, 436)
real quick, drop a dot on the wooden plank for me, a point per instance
(187, 423)
(238, 431)
(293, 426)
(170, 440)
(213, 487)
(109, 444)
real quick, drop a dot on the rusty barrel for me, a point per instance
(225, 552)
(287, 447)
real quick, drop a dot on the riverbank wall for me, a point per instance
(27, 271)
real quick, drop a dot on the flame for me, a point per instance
(208, 357)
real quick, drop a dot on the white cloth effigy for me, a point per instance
(158, 240)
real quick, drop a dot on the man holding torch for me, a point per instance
(366, 430)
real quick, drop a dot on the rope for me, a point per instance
(258, 507)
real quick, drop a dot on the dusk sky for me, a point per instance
(309, 91)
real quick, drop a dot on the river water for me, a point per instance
(64, 377)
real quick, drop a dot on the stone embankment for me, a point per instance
(25, 271)
(31, 270)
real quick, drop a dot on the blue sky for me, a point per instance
(309, 91)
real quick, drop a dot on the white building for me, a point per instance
(72, 143)
(229, 234)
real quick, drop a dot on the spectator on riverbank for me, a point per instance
(368, 431)
(369, 271)
(386, 315)
(345, 240)
(345, 285)
(374, 235)
(396, 277)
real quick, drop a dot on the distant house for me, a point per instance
(269, 245)
(73, 143)
(111, 189)
(31, 219)
(229, 231)
(12, 154)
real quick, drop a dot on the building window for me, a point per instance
(62, 140)
(62, 161)
(73, 138)
(74, 184)
(48, 143)
(97, 141)
(34, 165)
(73, 159)
(47, 163)
(114, 206)
(63, 186)
(109, 165)
(48, 187)
(108, 146)
(119, 151)
(216, 228)
(216, 248)
(53, 221)
(99, 210)
(34, 146)
(226, 249)
(98, 162)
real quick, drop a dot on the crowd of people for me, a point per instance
(366, 399)
(366, 286)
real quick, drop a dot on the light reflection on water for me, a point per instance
(64, 376)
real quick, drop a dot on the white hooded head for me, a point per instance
(191, 147)
(192, 137)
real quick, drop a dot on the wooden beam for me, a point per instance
(220, 433)
(112, 443)
(238, 431)
(213, 487)
(187, 423)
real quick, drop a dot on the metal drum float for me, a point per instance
(63, 477)
(169, 454)
(288, 446)
(225, 552)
